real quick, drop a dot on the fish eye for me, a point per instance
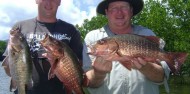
(20, 37)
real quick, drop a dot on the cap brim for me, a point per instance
(137, 6)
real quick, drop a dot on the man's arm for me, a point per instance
(152, 71)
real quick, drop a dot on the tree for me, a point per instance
(170, 20)
(2, 49)
(88, 25)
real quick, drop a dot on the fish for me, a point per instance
(134, 46)
(65, 64)
(18, 62)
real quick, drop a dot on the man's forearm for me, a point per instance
(153, 71)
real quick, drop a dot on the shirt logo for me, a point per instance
(34, 40)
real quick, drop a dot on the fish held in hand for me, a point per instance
(130, 45)
(64, 64)
(18, 63)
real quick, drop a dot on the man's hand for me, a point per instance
(148, 66)
(96, 75)
(102, 66)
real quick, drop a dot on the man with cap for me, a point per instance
(106, 77)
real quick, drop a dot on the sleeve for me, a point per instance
(88, 59)
(140, 30)
(166, 75)
(91, 37)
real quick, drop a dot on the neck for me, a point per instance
(121, 30)
(47, 20)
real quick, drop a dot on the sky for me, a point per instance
(72, 11)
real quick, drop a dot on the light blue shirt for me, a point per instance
(121, 80)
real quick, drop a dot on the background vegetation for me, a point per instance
(2, 49)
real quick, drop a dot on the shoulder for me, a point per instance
(95, 35)
(24, 23)
(140, 30)
(64, 23)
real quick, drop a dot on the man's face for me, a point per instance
(119, 13)
(48, 8)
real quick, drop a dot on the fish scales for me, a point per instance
(136, 46)
(19, 62)
(66, 66)
(131, 45)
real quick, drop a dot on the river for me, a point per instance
(4, 82)
(176, 89)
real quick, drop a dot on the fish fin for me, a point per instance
(178, 58)
(148, 59)
(152, 38)
(156, 40)
(126, 65)
(52, 69)
(5, 64)
(21, 89)
(51, 74)
(29, 83)
(13, 85)
(5, 61)
(113, 57)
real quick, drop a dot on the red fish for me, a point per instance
(136, 46)
(66, 65)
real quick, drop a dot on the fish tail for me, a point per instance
(178, 58)
(13, 85)
(21, 89)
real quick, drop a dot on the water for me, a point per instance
(176, 89)
(178, 85)
(4, 82)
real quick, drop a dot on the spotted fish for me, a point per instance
(136, 46)
(18, 62)
(66, 66)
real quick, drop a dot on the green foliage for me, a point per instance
(2, 46)
(94, 23)
(169, 19)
